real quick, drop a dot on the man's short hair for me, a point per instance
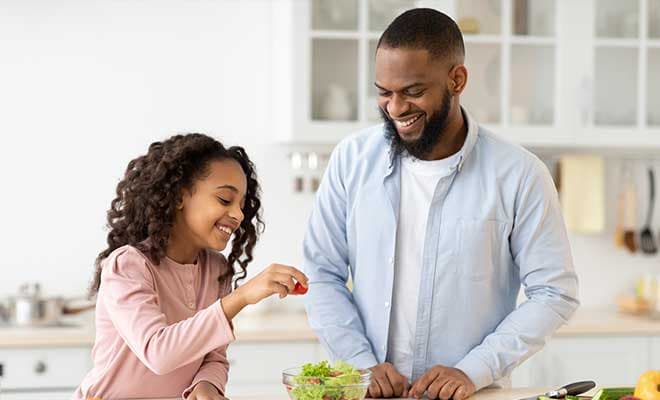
(428, 29)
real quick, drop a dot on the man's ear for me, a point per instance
(457, 81)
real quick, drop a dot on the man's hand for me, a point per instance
(387, 382)
(205, 391)
(444, 383)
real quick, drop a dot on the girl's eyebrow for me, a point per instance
(230, 187)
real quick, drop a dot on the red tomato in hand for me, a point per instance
(299, 289)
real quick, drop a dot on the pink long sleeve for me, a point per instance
(160, 328)
(214, 370)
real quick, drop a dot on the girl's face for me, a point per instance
(210, 213)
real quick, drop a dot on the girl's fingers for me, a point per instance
(295, 273)
(285, 280)
(276, 287)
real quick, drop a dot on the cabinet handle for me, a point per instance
(40, 368)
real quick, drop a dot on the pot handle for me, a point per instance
(68, 310)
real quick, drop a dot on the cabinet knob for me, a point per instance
(40, 367)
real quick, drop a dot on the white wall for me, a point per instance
(85, 86)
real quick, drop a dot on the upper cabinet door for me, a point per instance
(541, 72)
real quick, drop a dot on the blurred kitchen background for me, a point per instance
(86, 85)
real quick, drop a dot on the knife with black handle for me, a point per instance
(572, 389)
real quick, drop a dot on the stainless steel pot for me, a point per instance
(29, 308)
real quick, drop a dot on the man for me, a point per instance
(439, 223)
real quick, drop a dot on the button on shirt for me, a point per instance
(496, 226)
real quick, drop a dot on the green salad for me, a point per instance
(323, 381)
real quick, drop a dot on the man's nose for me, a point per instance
(397, 106)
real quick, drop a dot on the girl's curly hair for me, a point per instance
(152, 188)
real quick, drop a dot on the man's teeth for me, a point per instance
(224, 229)
(410, 121)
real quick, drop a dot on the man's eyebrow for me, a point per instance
(405, 88)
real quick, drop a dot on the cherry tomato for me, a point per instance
(299, 289)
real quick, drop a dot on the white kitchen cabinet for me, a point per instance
(37, 395)
(44, 368)
(607, 360)
(544, 73)
(48, 373)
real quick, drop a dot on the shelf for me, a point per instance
(612, 42)
(533, 40)
(482, 38)
(585, 138)
(334, 35)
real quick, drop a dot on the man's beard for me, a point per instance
(433, 130)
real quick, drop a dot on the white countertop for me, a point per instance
(293, 327)
(486, 394)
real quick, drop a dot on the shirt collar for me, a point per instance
(470, 140)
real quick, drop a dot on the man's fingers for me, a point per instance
(447, 390)
(374, 390)
(462, 393)
(422, 384)
(398, 381)
(436, 385)
(385, 387)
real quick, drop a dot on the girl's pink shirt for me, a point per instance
(160, 329)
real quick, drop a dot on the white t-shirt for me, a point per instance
(418, 183)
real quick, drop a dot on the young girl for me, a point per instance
(164, 294)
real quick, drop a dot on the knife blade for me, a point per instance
(572, 389)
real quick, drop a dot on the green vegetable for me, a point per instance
(323, 382)
(613, 393)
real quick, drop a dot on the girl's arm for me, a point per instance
(127, 292)
(214, 370)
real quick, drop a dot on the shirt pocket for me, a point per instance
(480, 248)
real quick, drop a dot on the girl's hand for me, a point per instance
(205, 391)
(276, 279)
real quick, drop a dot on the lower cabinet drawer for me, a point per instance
(36, 395)
(52, 368)
(263, 363)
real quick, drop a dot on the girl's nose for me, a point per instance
(237, 214)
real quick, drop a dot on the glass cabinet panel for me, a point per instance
(654, 19)
(482, 95)
(532, 84)
(615, 89)
(479, 16)
(653, 88)
(372, 92)
(533, 17)
(334, 79)
(382, 12)
(617, 18)
(335, 15)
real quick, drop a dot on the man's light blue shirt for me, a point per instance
(494, 224)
